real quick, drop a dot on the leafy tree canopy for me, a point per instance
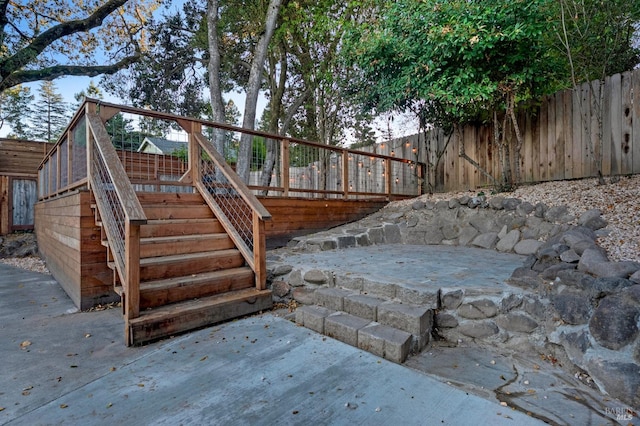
(459, 60)
(46, 39)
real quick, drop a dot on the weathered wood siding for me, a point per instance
(19, 161)
(70, 242)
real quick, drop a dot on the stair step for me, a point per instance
(174, 227)
(381, 340)
(177, 211)
(153, 268)
(177, 318)
(179, 198)
(184, 244)
(171, 290)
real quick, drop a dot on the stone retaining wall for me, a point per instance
(575, 304)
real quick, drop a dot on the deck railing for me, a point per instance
(117, 150)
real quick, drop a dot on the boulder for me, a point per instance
(614, 323)
(478, 309)
(478, 329)
(509, 241)
(486, 241)
(573, 308)
(527, 247)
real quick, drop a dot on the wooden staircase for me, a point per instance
(191, 273)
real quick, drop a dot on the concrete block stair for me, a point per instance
(191, 273)
(385, 328)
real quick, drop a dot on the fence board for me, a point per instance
(615, 117)
(577, 134)
(594, 131)
(626, 162)
(608, 165)
(567, 100)
(557, 170)
(635, 137)
(543, 135)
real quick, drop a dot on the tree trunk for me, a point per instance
(253, 89)
(519, 141)
(473, 162)
(215, 90)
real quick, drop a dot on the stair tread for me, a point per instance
(159, 313)
(149, 261)
(194, 279)
(188, 237)
(178, 221)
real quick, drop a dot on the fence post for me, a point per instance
(259, 252)
(285, 167)
(387, 177)
(345, 174)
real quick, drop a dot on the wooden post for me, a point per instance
(345, 174)
(259, 252)
(387, 176)
(132, 267)
(285, 167)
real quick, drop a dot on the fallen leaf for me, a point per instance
(109, 405)
(86, 336)
(504, 404)
(531, 391)
(140, 385)
(204, 358)
(25, 344)
(63, 405)
(28, 388)
(1, 408)
(112, 369)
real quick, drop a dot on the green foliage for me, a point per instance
(458, 58)
(51, 113)
(15, 110)
(258, 153)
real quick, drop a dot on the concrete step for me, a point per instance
(416, 320)
(381, 340)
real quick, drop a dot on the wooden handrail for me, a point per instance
(126, 194)
(233, 178)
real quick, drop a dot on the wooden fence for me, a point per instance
(560, 140)
(19, 161)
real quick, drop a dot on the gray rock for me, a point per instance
(315, 276)
(614, 324)
(551, 272)
(412, 222)
(496, 203)
(558, 214)
(478, 309)
(484, 224)
(414, 237)
(502, 232)
(527, 247)
(509, 241)
(376, 235)
(362, 240)
(573, 308)
(280, 289)
(581, 246)
(478, 329)
(486, 241)
(464, 200)
(619, 379)
(635, 277)
(433, 235)
(451, 300)
(445, 320)
(510, 302)
(467, 234)
(392, 234)
(539, 210)
(592, 219)
(519, 323)
(475, 202)
(450, 231)
(429, 205)
(395, 215)
(576, 279)
(604, 286)
(295, 278)
(281, 270)
(569, 256)
(535, 308)
(346, 241)
(611, 269)
(453, 203)
(524, 209)
(418, 205)
(510, 204)
(442, 205)
(590, 258)
(303, 295)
